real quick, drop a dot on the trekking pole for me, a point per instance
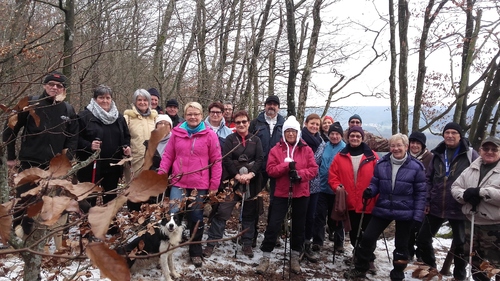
(243, 171)
(94, 167)
(288, 217)
(365, 202)
(473, 211)
(386, 248)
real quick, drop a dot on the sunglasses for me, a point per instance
(57, 85)
(488, 149)
(241, 122)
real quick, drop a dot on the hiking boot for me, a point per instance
(353, 274)
(373, 269)
(207, 252)
(310, 254)
(315, 247)
(331, 237)
(339, 249)
(197, 262)
(294, 262)
(247, 251)
(263, 266)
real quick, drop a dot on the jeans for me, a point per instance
(193, 212)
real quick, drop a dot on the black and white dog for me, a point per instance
(168, 234)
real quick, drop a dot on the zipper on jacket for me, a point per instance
(192, 145)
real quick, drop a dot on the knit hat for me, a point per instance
(420, 137)
(453, 126)
(55, 76)
(493, 140)
(172, 102)
(357, 129)
(291, 123)
(275, 99)
(154, 92)
(335, 127)
(355, 116)
(164, 117)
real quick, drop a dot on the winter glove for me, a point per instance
(367, 194)
(415, 226)
(471, 196)
(291, 165)
(294, 176)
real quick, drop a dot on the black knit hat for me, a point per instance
(420, 137)
(55, 76)
(453, 126)
(154, 92)
(335, 127)
(355, 116)
(172, 102)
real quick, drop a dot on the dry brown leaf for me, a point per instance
(148, 183)
(59, 165)
(24, 102)
(121, 162)
(34, 209)
(5, 221)
(12, 121)
(35, 117)
(30, 175)
(73, 206)
(4, 108)
(80, 190)
(53, 208)
(100, 216)
(156, 136)
(111, 265)
(32, 192)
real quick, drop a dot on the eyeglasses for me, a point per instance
(193, 114)
(355, 122)
(291, 131)
(57, 85)
(396, 145)
(241, 122)
(215, 112)
(488, 149)
(351, 136)
(228, 109)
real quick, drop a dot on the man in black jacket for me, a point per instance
(57, 129)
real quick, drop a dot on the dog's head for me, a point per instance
(170, 225)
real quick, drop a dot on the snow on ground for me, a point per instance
(223, 266)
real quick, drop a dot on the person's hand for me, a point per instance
(427, 210)
(11, 163)
(294, 176)
(127, 151)
(212, 192)
(96, 144)
(291, 165)
(471, 196)
(367, 194)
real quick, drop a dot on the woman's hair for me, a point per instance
(142, 93)
(241, 113)
(313, 116)
(193, 104)
(102, 90)
(217, 104)
(399, 136)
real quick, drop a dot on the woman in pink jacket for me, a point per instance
(187, 156)
(291, 162)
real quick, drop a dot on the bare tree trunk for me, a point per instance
(311, 53)
(292, 53)
(236, 57)
(4, 175)
(176, 87)
(202, 57)
(161, 39)
(32, 262)
(404, 19)
(69, 36)
(422, 68)
(392, 75)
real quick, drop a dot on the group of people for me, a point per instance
(312, 171)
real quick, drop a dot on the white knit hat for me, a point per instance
(164, 117)
(291, 123)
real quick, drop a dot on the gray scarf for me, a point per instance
(396, 164)
(106, 117)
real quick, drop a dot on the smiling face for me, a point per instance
(354, 122)
(104, 101)
(415, 147)
(335, 137)
(489, 153)
(355, 139)
(398, 148)
(193, 117)
(172, 110)
(271, 109)
(142, 104)
(451, 138)
(215, 116)
(154, 102)
(291, 136)
(242, 125)
(326, 125)
(313, 125)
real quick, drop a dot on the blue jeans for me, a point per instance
(193, 212)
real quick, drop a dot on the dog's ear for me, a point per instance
(164, 221)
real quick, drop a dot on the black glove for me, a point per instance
(471, 196)
(367, 194)
(415, 226)
(291, 165)
(294, 176)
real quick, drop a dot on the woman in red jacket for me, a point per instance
(291, 162)
(353, 169)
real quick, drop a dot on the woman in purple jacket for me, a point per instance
(191, 150)
(399, 180)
